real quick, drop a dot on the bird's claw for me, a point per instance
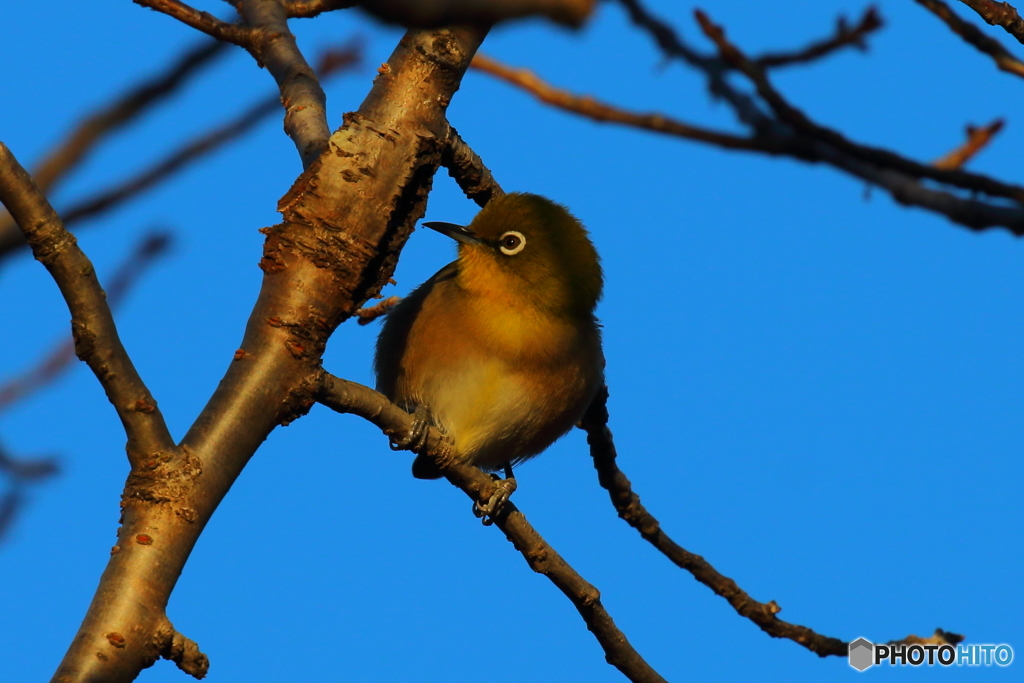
(416, 439)
(503, 490)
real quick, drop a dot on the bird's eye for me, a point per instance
(511, 243)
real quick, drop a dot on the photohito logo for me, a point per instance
(864, 654)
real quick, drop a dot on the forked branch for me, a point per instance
(96, 339)
(628, 505)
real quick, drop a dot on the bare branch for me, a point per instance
(329, 63)
(435, 13)
(599, 111)
(306, 9)
(337, 247)
(845, 36)
(242, 36)
(349, 397)
(628, 505)
(977, 139)
(368, 315)
(469, 170)
(305, 105)
(973, 35)
(95, 127)
(152, 246)
(96, 339)
(774, 138)
(21, 473)
(999, 14)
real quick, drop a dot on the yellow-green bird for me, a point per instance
(500, 349)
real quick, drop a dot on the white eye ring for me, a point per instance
(511, 243)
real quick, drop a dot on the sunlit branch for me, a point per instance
(999, 14)
(977, 139)
(348, 397)
(971, 34)
(96, 338)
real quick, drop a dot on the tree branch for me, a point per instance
(628, 505)
(348, 397)
(999, 14)
(469, 170)
(1003, 58)
(95, 127)
(977, 139)
(96, 339)
(773, 137)
(346, 220)
(434, 13)
(845, 36)
(599, 111)
(242, 36)
(305, 105)
(152, 246)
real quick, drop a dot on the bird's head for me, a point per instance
(523, 245)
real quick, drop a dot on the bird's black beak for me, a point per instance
(456, 232)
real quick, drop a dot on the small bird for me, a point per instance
(500, 349)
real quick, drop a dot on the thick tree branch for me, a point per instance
(1003, 58)
(346, 219)
(96, 339)
(845, 36)
(95, 127)
(349, 397)
(628, 505)
(242, 36)
(305, 105)
(469, 170)
(999, 14)
(152, 246)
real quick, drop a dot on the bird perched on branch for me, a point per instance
(500, 349)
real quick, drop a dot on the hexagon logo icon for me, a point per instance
(862, 654)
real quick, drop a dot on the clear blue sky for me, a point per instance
(818, 390)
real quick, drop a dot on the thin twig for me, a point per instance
(21, 473)
(904, 187)
(348, 397)
(368, 315)
(329, 63)
(1003, 58)
(305, 105)
(69, 153)
(469, 170)
(845, 36)
(628, 505)
(599, 111)
(307, 9)
(96, 339)
(999, 14)
(242, 36)
(977, 139)
(150, 248)
(875, 156)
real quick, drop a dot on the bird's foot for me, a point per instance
(416, 439)
(503, 490)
